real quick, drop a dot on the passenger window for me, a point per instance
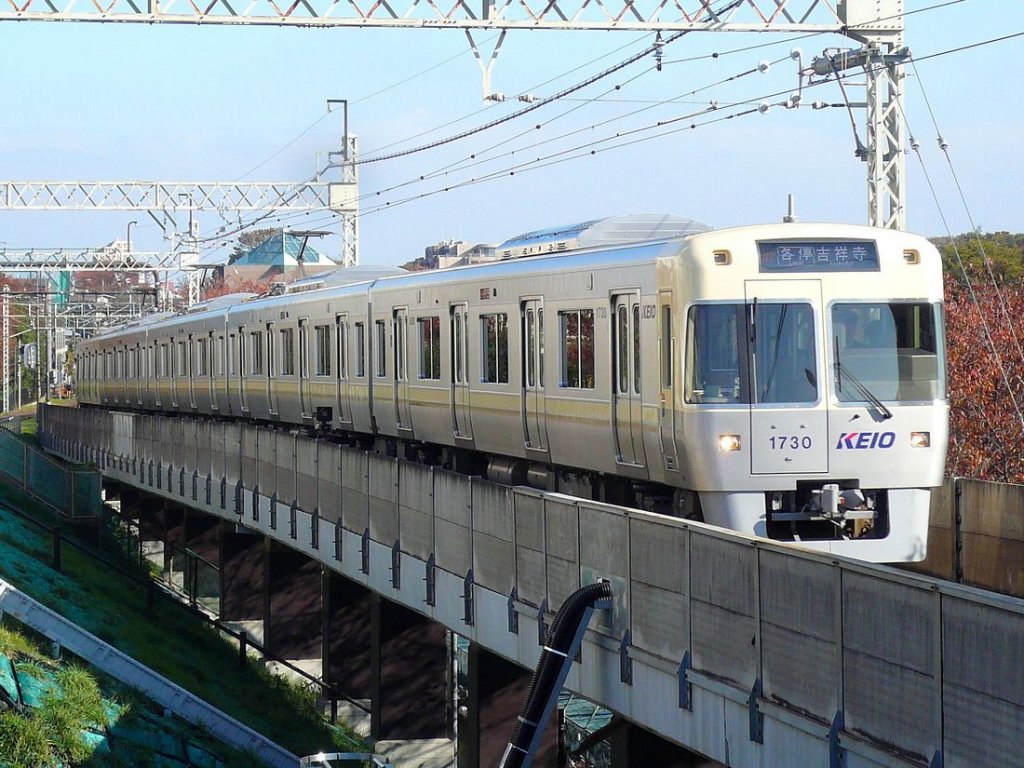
(494, 352)
(360, 350)
(577, 330)
(380, 354)
(430, 347)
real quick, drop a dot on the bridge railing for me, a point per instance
(839, 656)
(74, 491)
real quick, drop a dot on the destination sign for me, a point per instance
(832, 256)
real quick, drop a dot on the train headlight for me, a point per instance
(920, 439)
(729, 442)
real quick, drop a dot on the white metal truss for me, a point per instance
(7, 349)
(886, 144)
(161, 195)
(85, 260)
(673, 15)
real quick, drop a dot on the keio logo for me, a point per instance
(860, 441)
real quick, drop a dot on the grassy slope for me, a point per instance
(172, 642)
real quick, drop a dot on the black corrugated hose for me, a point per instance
(558, 642)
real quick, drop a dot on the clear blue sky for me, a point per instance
(180, 102)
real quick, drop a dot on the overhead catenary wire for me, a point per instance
(985, 327)
(944, 146)
(649, 50)
(922, 58)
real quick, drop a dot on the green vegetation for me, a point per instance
(1005, 252)
(168, 639)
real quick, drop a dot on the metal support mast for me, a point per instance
(7, 348)
(879, 25)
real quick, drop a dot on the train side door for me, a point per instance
(788, 409)
(304, 401)
(626, 365)
(400, 338)
(177, 368)
(190, 370)
(243, 396)
(341, 348)
(532, 343)
(271, 367)
(210, 365)
(139, 371)
(459, 328)
(666, 386)
(160, 372)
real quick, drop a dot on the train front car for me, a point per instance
(814, 403)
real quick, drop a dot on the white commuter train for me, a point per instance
(784, 380)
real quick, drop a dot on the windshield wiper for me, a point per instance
(858, 385)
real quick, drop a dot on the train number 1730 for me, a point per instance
(790, 442)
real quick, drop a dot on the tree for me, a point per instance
(984, 368)
(221, 286)
(1005, 254)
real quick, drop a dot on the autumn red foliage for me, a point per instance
(222, 286)
(985, 337)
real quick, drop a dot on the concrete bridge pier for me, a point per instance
(494, 693)
(409, 674)
(242, 580)
(346, 638)
(293, 611)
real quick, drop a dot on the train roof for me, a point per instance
(612, 230)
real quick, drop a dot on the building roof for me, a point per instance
(282, 249)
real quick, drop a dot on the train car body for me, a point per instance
(783, 380)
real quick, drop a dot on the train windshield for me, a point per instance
(751, 353)
(890, 351)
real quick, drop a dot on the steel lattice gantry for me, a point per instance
(751, 15)
(340, 197)
(877, 24)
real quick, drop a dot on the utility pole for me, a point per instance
(7, 348)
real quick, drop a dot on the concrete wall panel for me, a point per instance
(176, 436)
(232, 453)
(967, 629)
(493, 531)
(993, 536)
(453, 497)
(981, 730)
(724, 643)
(722, 608)
(266, 461)
(889, 645)
(249, 455)
(722, 573)
(531, 572)
(355, 476)
(453, 510)
(890, 620)
(383, 499)
(329, 481)
(798, 626)
(454, 547)
(529, 516)
(307, 460)
(416, 509)
(659, 621)
(889, 704)
(217, 454)
(659, 554)
(284, 452)
(561, 540)
(202, 449)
